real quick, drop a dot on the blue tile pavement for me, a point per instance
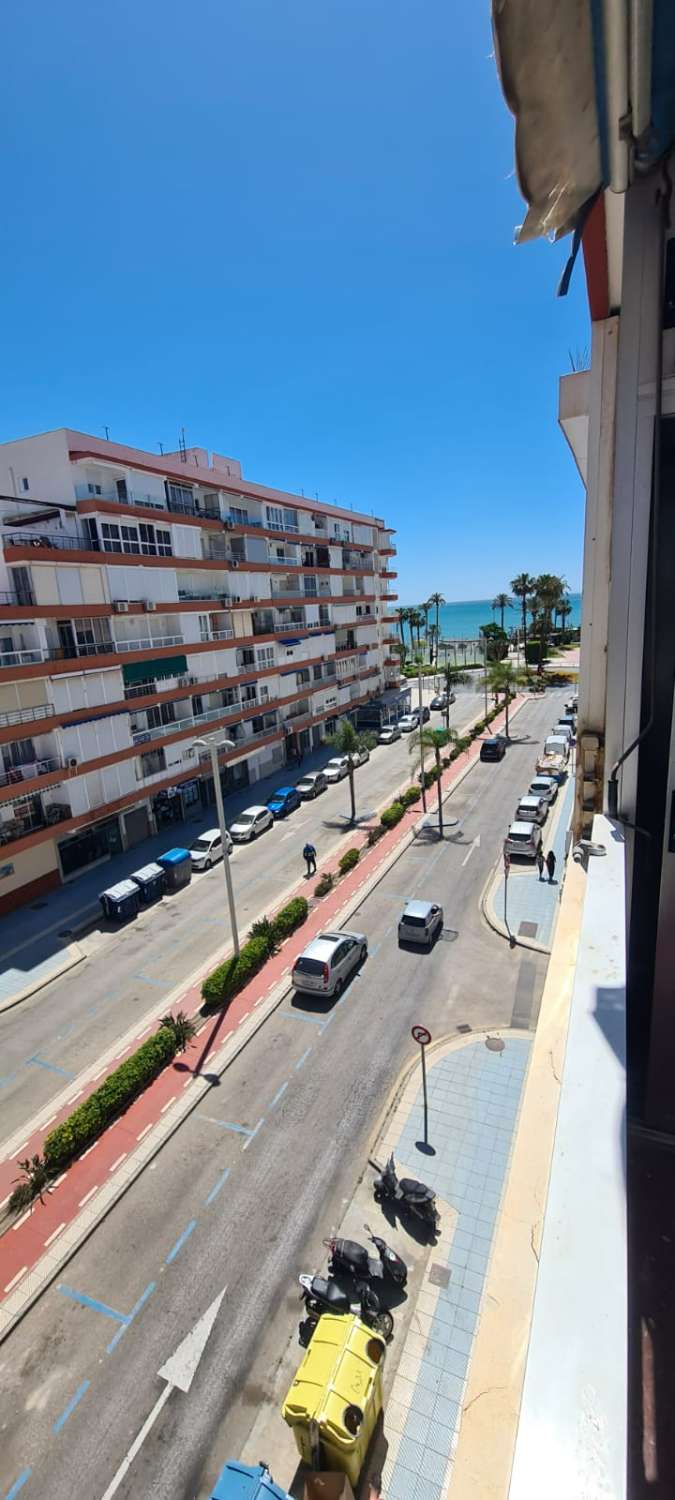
(475, 1098)
(529, 898)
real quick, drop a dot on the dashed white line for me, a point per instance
(59, 1180)
(98, 1075)
(16, 1278)
(22, 1220)
(89, 1148)
(77, 1095)
(16, 1153)
(168, 1104)
(49, 1121)
(88, 1195)
(115, 1164)
(186, 1085)
(54, 1233)
(144, 1131)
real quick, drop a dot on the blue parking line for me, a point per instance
(159, 983)
(51, 1067)
(130, 1316)
(180, 1242)
(302, 1060)
(18, 1484)
(279, 1094)
(85, 1301)
(217, 1186)
(253, 1133)
(292, 1015)
(227, 1125)
(61, 1421)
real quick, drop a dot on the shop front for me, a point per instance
(90, 846)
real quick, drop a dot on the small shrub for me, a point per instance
(231, 977)
(114, 1094)
(183, 1029)
(392, 815)
(446, 760)
(291, 916)
(264, 929)
(35, 1183)
(463, 743)
(375, 834)
(348, 860)
(324, 884)
(410, 795)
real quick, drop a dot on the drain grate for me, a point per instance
(528, 929)
(464, 1027)
(439, 1275)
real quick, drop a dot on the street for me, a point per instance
(56, 1033)
(244, 1193)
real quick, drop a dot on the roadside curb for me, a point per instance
(73, 955)
(494, 880)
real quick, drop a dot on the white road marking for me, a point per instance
(168, 1104)
(16, 1278)
(22, 1220)
(144, 1131)
(470, 850)
(54, 1233)
(116, 1164)
(88, 1195)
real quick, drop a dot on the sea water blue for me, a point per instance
(461, 620)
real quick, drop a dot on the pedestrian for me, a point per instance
(309, 855)
(550, 866)
(540, 861)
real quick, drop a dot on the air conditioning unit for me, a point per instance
(72, 762)
(121, 606)
(235, 563)
(149, 605)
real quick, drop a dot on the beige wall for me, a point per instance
(27, 694)
(31, 865)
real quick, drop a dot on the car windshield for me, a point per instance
(519, 838)
(246, 818)
(201, 844)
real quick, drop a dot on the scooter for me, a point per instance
(392, 1264)
(320, 1296)
(350, 1257)
(415, 1196)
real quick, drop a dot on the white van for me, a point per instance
(532, 809)
(524, 839)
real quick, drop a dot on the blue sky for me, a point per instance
(289, 229)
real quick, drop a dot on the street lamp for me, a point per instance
(213, 744)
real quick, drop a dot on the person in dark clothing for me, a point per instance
(540, 862)
(550, 866)
(309, 855)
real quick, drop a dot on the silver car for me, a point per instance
(544, 786)
(420, 923)
(247, 825)
(387, 735)
(337, 768)
(329, 961)
(208, 848)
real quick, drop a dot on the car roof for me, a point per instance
(547, 781)
(257, 807)
(310, 776)
(281, 791)
(493, 739)
(521, 827)
(528, 800)
(209, 833)
(324, 945)
(419, 908)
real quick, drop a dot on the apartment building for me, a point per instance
(146, 601)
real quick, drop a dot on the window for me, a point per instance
(24, 484)
(163, 539)
(94, 489)
(265, 656)
(119, 538)
(150, 763)
(237, 514)
(247, 657)
(179, 495)
(275, 518)
(121, 487)
(302, 676)
(317, 673)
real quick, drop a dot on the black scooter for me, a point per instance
(407, 1193)
(322, 1296)
(352, 1259)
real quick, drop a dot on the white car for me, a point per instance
(208, 848)
(248, 824)
(359, 757)
(408, 723)
(524, 839)
(387, 735)
(337, 768)
(544, 786)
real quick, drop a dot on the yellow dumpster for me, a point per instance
(336, 1397)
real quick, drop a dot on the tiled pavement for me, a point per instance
(531, 900)
(474, 1099)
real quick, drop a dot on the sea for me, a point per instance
(460, 620)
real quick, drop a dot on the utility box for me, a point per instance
(241, 1482)
(120, 902)
(151, 882)
(177, 866)
(336, 1397)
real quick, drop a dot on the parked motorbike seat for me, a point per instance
(352, 1254)
(413, 1189)
(328, 1291)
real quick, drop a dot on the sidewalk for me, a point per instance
(532, 904)
(34, 1249)
(475, 1086)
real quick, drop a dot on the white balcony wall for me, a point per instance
(85, 690)
(187, 541)
(90, 741)
(208, 664)
(145, 627)
(182, 756)
(96, 788)
(366, 535)
(343, 614)
(159, 584)
(141, 483)
(188, 626)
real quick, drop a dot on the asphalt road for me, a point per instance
(56, 1033)
(308, 1091)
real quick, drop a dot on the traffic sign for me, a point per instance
(421, 1035)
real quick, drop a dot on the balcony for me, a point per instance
(28, 815)
(19, 598)
(15, 716)
(217, 635)
(151, 502)
(30, 770)
(142, 643)
(22, 658)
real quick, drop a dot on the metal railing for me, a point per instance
(32, 818)
(13, 716)
(146, 643)
(22, 658)
(21, 597)
(151, 502)
(31, 770)
(59, 541)
(218, 635)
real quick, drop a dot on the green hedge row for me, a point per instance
(232, 976)
(90, 1119)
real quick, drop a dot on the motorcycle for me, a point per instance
(392, 1264)
(407, 1193)
(353, 1260)
(320, 1295)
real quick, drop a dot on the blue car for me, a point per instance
(283, 801)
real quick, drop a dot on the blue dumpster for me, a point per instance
(151, 882)
(240, 1482)
(121, 901)
(177, 866)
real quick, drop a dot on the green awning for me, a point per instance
(154, 666)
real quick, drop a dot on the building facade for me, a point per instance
(145, 601)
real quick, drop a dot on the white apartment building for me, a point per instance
(145, 601)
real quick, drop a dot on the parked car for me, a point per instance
(284, 801)
(532, 809)
(524, 839)
(442, 700)
(337, 768)
(387, 735)
(494, 748)
(426, 714)
(564, 729)
(250, 823)
(311, 784)
(544, 786)
(328, 962)
(572, 705)
(408, 722)
(359, 757)
(205, 850)
(420, 923)
(568, 721)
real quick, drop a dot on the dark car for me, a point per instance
(493, 749)
(283, 801)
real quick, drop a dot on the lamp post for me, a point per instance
(421, 731)
(211, 743)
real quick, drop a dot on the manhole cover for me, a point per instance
(528, 929)
(495, 1044)
(464, 1027)
(439, 1275)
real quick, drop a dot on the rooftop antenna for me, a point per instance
(107, 434)
(161, 448)
(181, 446)
(316, 494)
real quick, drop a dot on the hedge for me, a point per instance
(324, 884)
(392, 815)
(291, 916)
(232, 976)
(375, 834)
(348, 860)
(90, 1119)
(410, 795)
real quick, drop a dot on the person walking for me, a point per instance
(550, 866)
(309, 855)
(540, 862)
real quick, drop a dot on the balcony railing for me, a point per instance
(32, 816)
(146, 643)
(61, 541)
(30, 770)
(22, 598)
(10, 717)
(22, 657)
(218, 635)
(152, 502)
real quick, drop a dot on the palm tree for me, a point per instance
(415, 618)
(436, 740)
(523, 588)
(346, 741)
(452, 678)
(424, 609)
(435, 601)
(401, 618)
(501, 603)
(564, 609)
(433, 644)
(504, 678)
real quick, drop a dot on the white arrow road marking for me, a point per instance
(179, 1370)
(469, 852)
